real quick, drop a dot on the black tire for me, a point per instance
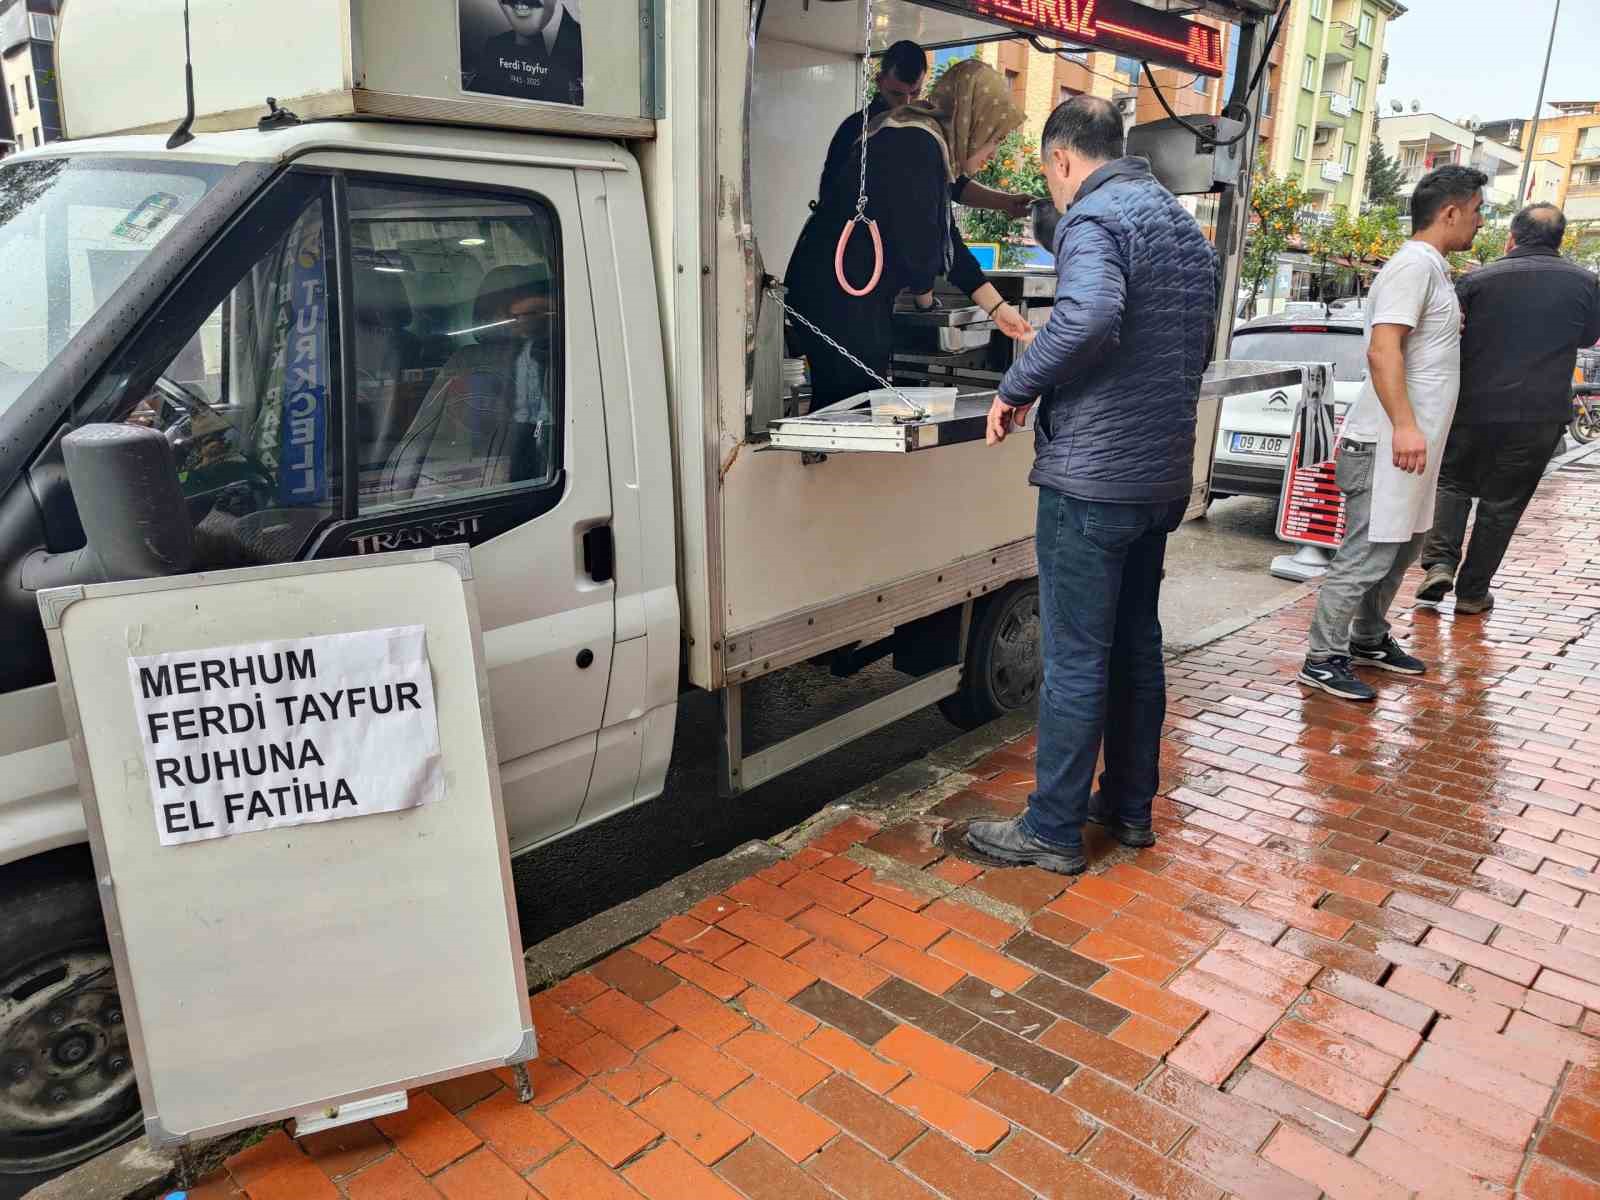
(67, 1089)
(1583, 432)
(1003, 667)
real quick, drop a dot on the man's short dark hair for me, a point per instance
(907, 60)
(1086, 125)
(1539, 226)
(1440, 187)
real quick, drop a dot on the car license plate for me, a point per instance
(1252, 443)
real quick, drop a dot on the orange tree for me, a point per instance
(1015, 167)
(1275, 206)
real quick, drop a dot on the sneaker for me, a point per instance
(1388, 655)
(1472, 608)
(1128, 835)
(1437, 585)
(1333, 676)
(1009, 842)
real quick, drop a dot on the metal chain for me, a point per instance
(776, 293)
(866, 101)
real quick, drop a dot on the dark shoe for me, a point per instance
(1128, 835)
(1009, 842)
(1473, 608)
(1333, 676)
(1388, 655)
(1437, 585)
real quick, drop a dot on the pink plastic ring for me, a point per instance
(877, 256)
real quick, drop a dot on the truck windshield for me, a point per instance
(71, 230)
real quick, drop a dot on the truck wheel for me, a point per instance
(1003, 664)
(67, 1088)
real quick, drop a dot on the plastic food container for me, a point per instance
(939, 403)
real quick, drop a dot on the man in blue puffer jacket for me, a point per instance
(1118, 368)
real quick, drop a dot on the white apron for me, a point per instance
(1402, 503)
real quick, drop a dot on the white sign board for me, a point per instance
(242, 738)
(275, 955)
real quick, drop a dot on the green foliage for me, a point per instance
(1275, 207)
(1384, 176)
(1015, 167)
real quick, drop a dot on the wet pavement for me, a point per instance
(1363, 961)
(1216, 571)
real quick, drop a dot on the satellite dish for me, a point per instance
(1397, 106)
(1416, 106)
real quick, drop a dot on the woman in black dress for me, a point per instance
(914, 155)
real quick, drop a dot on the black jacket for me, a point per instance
(844, 142)
(1527, 315)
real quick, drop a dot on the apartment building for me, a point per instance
(28, 71)
(1568, 149)
(1325, 87)
(1419, 142)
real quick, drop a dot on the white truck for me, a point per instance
(439, 292)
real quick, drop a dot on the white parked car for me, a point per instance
(1254, 433)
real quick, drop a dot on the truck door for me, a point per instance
(407, 361)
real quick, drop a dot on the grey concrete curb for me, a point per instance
(1571, 457)
(130, 1172)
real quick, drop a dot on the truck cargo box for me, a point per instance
(585, 70)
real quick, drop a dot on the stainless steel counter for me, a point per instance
(858, 431)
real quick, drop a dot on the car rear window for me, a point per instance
(1346, 351)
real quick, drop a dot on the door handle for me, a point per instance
(599, 554)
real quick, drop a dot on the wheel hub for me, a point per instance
(66, 1078)
(1015, 663)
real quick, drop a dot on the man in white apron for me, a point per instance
(1393, 438)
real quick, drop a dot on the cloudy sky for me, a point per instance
(1482, 58)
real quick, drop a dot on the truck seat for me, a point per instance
(385, 349)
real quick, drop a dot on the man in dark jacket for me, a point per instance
(1118, 366)
(901, 72)
(1527, 315)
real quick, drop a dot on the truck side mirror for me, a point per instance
(126, 488)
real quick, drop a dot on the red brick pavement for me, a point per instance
(1363, 961)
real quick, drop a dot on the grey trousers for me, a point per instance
(1364, 577)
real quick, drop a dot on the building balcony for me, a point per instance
(1341, 42)
(1333, 110)
(1587, 152)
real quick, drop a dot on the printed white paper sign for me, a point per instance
(268, 734)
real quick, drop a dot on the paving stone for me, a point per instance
(923, 1009)
(861, 1020)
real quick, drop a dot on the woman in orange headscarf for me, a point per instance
(918, 155)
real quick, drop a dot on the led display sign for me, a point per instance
(1122, 26)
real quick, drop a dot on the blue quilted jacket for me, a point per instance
(1118, 365)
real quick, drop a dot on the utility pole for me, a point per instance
(1533, 131)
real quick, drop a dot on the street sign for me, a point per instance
(1311, 507)
(293, 802)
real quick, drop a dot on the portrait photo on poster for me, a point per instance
(522, 49)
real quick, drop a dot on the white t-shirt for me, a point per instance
(1413, 290)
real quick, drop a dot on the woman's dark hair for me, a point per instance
(1539, 226)
(1086, 125)
(1440, 187)
(907, 60)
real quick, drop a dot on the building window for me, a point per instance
(1308, 74)
(14, 109)
(1300, 142)
(1128, 67)
(1202, 85)
(1349, 157)
(1368, 21)
(1018, 94)
(1358, 95)
(43, 27)
(27, 84)
(1317, 7)
(1548, 145)
(1266, 100)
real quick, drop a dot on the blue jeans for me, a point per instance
(1099, 588)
